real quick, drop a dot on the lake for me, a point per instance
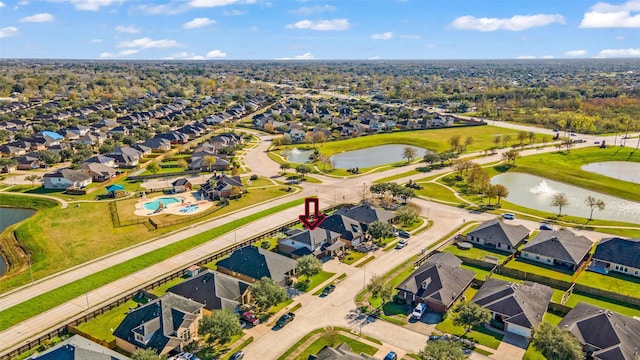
(621, 170)
(535, 192)
(373, 156)
(8, 217)
(297, 156)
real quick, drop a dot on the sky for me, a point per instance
(318, 30)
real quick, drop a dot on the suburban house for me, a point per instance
(341, 352)
(438, 283)
(181, 185)
(215, 290)
(98, 172)
(78, 348)
(207, 160)
(617, 254)
(351, 231)
(517, 307)
(165, 324)
(251, 263)
(499, 235)
(367, 214)
(66, 178)
(561, 248)
(604, 334)
(221, 186)
(27, 162)
(101, 159)
(317, 242)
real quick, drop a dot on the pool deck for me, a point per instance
(175, 208)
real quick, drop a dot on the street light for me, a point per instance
(30, 270)
(86, 290)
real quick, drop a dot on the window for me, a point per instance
(537, 257)
(139, 337)
(186, 335)
(526, 254)
(548, 260)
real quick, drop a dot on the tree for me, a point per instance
(308, 266)
(511, 155)
(284, 167)
(147, 354)
(380, 230)
(497, 139)
(182, 164)
(567, 143)
(153, 168)
(209, 161)
(7, 162)
(532, 136)
(594, 203)
(330, 335)
(467, 141)
(556, 343)
(454, 142)
(379, 188)
(33, 178)
(409, 153)
(379, 288)
(442, 350)
(219, 327)
(430, 157)
(303, 170)
(468, 315)
(407, 214)
(522, 136)
(505, 140)
(559, 200)
(50, 157)
(266, 293)
(500, 191)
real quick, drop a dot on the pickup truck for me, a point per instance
(250, 318)
(285, 319)
(418, 311)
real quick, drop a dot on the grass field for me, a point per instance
(628, 310)
(539, 269)
(102, 327)
(314, 281)
(46, 301)
(617, 283)
(479, 334)
(356, 346)
(476, 253)
(437, 191)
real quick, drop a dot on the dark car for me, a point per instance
(545, 227)
(285, 319)
(237, 356)
(391, 356)
(328, 289)
(404, 234)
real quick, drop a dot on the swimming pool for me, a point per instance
(189, 208)
(153, 205)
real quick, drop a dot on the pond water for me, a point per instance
(535, 192)
(8, 217)
(373, 156)
(621, 170)
(297, 156)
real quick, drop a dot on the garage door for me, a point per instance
(519, 330)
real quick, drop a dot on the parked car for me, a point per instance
(328, 289)
(404, 234)
(556, 130)
(250, 318)
(508, 216)
(402, 243)
(418, 311)
(285, 319)
(391, 356)
(237, 356)
(545, 227)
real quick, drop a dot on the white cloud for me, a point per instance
(234, 13)
(197, 23)
(410, 37)
(308, 10)
(384, 36)
(576, 53)
(515, 23)
(212, 3)
(374, 57)
(525, 57)
(547, 57)
(131, 29)
(619, 53)
(92, 5)
(605, 15)
(108, 55)
(166, 9)
(95, 41)
(305, 56)
(185, 56)
(1, 4)
(8, 31)
(216, 54)
(322, 25)
(147, 43)
(37, 18)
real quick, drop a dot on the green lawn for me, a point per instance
(479, 334)
(432, 190)
(480, 272)
(539, 269)
(552, 318)
(102, 327)
(353, 256)
(533, 354)
(356, 346)
(315, 281)
(625, 309)
(617, 283)
(476, 253)
(46, 301)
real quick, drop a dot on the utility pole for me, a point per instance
(30, 270)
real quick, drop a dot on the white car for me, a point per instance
(418, 311)
(402, 243)
(508, 216)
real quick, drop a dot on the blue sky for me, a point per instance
(323, 30)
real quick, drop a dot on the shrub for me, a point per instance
(253, 177)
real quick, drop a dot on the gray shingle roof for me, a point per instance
(620, 251)
(616, 336)
(257, 263)
(520, 304)
(348, 228)
(367, 214)
(314, 238)
(341, 352)
(78, 348)
(213, 289)
(440, 279)
(562, 245)
(500, 232)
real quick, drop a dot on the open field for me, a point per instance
(47, 301)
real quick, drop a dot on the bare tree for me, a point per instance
(594, 203)
(559, 200)
(409, 153)
(500, 191)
